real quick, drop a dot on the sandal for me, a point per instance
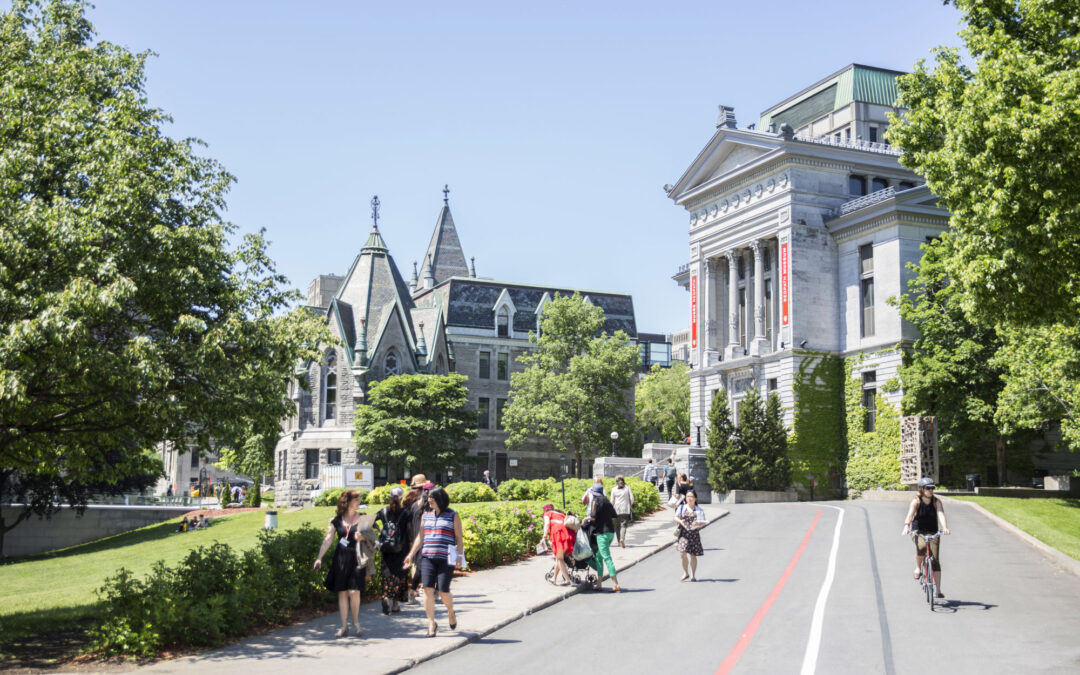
(342, 632)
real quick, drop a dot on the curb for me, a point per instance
(530, 610)
(1062, 560)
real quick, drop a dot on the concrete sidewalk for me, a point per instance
(484, 602)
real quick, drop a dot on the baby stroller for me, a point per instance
(577, 563)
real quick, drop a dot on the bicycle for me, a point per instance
(926, 580)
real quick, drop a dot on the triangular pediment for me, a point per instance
(728, 151)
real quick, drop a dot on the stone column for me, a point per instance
(759, 345)
(734, 348)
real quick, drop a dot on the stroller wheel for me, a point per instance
(550, 576)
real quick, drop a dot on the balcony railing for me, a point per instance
(864, 201)
(883, 148)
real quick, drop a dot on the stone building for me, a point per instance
(445, 319)
(801, 228)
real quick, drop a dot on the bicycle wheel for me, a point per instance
(928, 574)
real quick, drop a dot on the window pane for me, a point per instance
(873, 135)
(867, 307)
(503, 370)
(878, 184)
(870, 404)
(311, 463)
(857, 186)
(866, 259)
(500, 403)
(333, 457)
(483, 413)
(485, 365)
(194, 460)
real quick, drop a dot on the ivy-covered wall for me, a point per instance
(873, 458)
(818, 442)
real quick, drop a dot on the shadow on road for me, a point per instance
(714, 581)
(494, 641)
(957, 605)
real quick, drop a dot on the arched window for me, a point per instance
(503, 322)
(390, 366)
(330, 388)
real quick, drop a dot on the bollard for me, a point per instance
(271, 521)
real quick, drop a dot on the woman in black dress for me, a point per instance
(346, 576)
(395, 535)
(690, 518)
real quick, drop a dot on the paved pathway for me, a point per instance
(759, 606)
(484, 602)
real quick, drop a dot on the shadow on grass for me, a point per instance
(145, 534)
(32, 640)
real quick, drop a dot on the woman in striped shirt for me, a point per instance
(439, 541)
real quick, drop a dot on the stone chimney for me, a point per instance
(726, 118)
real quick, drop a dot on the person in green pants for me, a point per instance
(601, 520)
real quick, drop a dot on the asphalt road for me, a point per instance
(752, 610)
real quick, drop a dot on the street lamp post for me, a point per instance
(562, 478)
(614, 437)
(698, 423)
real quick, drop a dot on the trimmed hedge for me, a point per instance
(467, 493)
(212, 595)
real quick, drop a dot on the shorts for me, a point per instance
(436, 573)
(935, 550)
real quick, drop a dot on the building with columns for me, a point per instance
(801, 227)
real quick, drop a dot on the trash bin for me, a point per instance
(270, 523)
(974, 480)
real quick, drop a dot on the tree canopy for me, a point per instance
(577, 383)
(999, 142)
(416, 422)
(753, 454)
(662, 402)
(126, 319)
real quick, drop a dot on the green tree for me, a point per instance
(753, 454)
(955, 372)
(416, 422)
(662, 402)
(999, 142)
(125, 318)
(576, 384)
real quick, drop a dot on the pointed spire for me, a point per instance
(421, 344)
(374, 243)
(472, 270)
(444, 249)
(428, 273)
(414, 282)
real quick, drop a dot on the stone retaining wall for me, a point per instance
(63, 529)
(754, 497)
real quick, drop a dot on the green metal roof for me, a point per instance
(856, 82)
(375, 242)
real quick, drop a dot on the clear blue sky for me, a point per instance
(555, 123)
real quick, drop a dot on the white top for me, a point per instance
(699, 513)
(622, 499)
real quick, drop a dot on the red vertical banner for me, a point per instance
(693, 312)
(785, 315)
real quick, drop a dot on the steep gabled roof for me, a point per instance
(444, 250)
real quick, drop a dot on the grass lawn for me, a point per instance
(41, 593)
(1052, 521)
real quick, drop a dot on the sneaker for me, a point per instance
(939, 594)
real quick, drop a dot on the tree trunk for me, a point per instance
(999, 446)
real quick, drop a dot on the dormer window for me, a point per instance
(390, 365)
(330, 389)
(502, 322)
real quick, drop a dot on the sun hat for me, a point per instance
(429, 485)
(418, 480)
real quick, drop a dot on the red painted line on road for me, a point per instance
(751, 628)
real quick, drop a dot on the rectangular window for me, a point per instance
(381, 473)
(311, 463)
(500, 403)
(768, 310)
(878, 184)
(772, 384)
(194, 459)
(485, 365)
(742, 316)
(503, 368)
(866, 290)
(333, 457)
(857, 186)
(869, 400)
(873, 135)
(483, 413)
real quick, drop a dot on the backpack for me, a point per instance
(390, 539)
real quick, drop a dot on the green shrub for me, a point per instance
(226, 495)
(516, 489)
(212, 595)
(330, 496)
(381, 494)
(254, 496)
(646, 497)
(467, 493)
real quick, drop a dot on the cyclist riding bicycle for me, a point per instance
(926, 516)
